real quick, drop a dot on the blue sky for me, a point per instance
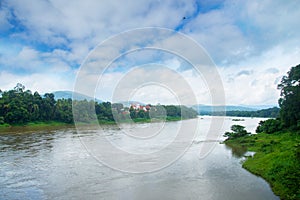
(252, 43)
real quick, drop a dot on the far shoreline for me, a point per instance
(54, 125)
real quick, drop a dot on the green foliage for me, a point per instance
(141, 114)
(173, 111)
(18, 106)
(84, 111)
(269, 112)
(187, 113)
(158, 112)
(163, 112)
(1, 120)
(238, 131)
(63, 111)
(269, 126)
(277, 159)
(103, 111)
(290, 98)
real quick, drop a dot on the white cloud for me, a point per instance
(254, 43)
(240, 30)
(86, 23)
(4, 20)
(260, 86)
(41, 82)
(217, 32)
(32, 61)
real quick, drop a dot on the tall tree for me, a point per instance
(290, 98)
(48, 104)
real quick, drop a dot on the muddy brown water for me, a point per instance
(54, 164)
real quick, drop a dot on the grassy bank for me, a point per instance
(55, 124)
(277, 160)
(146, 120)
(33, 126)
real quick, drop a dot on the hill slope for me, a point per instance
(69, 94)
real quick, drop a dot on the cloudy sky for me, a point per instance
(253, 44)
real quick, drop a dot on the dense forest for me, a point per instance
(269, 112)
(20, 106)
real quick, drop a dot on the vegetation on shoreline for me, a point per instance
(31, 126)
(19, 107)
(277, 142)
(276, 159)
(265, 113)
(105, 122)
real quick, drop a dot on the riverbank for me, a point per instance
(55, 124)
(276, 159)
(34, 126)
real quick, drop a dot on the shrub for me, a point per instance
(269, 126)
(238, 131)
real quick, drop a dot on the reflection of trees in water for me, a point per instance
(30, 143)
(236, 150)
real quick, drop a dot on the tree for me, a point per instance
(20, 106)
(19, 88)
(117, 106)
(132, 112)
(63, 110)
(141, 114)
(187, 113)
(290, 98)
(269, 126)
(47, 107)
(173, 111)
(238, 131)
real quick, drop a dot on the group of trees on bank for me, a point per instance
(163, 111)
(269, 112)
(289, 102)
(277, 157)
(20, 106)
(237, 131)
(289, 113)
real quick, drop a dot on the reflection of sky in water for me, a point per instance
(55, 165)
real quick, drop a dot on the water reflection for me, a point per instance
(53, 164)
(28, 143)
(237, 151)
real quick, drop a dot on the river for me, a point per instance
(63, 164)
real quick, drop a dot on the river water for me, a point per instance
(59, 164)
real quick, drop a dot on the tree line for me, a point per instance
(289, 103)
(285, 118)
(277, 144)
(20, 106)
(269, 113)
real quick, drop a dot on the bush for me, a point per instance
(238, 131)
(269, 126)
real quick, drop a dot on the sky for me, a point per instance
(45, 44)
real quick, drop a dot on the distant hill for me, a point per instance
(260, 107)
(69, 94)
